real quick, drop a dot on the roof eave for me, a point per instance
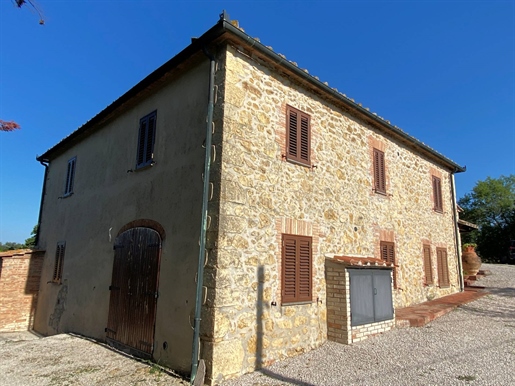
(196, 45)
(209, 36)
(282, 61)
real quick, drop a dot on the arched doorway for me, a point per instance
(134, 284)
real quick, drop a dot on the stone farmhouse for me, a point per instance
(233, 209)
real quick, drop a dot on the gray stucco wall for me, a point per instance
(106, 197)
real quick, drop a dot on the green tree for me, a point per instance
(491, 205)
(10, 245)
(31, 241)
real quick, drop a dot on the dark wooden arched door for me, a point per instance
(132, 306)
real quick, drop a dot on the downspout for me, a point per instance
(457, 231)
(45, 163)
(203, 229)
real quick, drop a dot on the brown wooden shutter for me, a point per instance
(298, 136)
(149, 150)
(289, 282)
(58, 264)
(428, 267)
(296, 281)
(379, 172)
(443, 267)
(292, 150)
(437, 194)
(304, 138)
(304, 269)
(70, 175)
(388, 254)
(146, 139)
(141, 143)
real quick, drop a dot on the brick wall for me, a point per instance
(339, 327)
(20, 271)
(366, 330)
(338, 304)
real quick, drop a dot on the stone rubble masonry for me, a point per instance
(20, 272)
(258, 195)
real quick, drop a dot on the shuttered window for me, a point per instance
(388, 254)
(298, 136)
(428, 266)
(443, 267)
(70, 176)
(296, 281)
(58, 265)
(379, 172)
(146, 139)
(437, 194)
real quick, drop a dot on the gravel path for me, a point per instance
(474, 344)
(26, 359)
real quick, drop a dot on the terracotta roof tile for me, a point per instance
(365, 262)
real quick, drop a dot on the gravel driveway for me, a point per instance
(474, 344)
(26, 359)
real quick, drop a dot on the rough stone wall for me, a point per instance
(20, 272)
(260, 193)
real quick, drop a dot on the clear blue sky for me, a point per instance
(443, 71)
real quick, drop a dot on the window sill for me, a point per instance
(440, 211)
(300, 163)
(299, 303)
(146, 166)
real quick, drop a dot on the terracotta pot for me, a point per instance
(471, 261)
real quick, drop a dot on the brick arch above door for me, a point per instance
(144, 223)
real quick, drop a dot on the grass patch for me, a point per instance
(154, 368)
(86, 370)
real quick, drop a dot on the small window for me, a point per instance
(296, 269)
(443, 267)
(437, 194)
(70, 176)
(298, 136)
(388, 255)
(146, 139)
(58, 265)
(379, 172)
(428, 266)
